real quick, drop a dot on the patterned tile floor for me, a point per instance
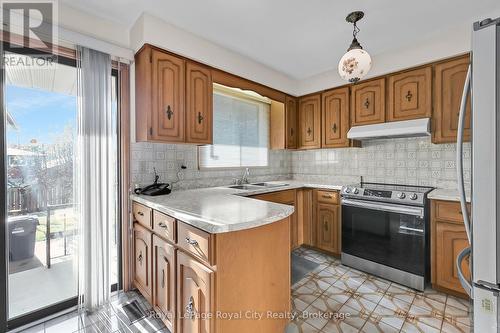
(330, 292)
(326, 295)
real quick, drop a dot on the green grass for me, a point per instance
(57, 220)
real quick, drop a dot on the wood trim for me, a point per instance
(277, 123)
(228, 79)
(124, 139)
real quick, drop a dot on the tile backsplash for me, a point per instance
(411, 161)
(168, 158)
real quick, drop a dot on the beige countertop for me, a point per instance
(223, 209)
(447, 195)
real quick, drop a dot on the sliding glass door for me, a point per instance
(40, 111)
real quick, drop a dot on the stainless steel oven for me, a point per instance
(385, 232)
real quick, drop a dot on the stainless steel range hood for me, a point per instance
(394, 129)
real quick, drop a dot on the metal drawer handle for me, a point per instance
(200, 117)
(170, 113)
(140, 213)
(367, 103)
(409, 96)
(191, 241)
(327, 196)
(190, 307)
(163, 225)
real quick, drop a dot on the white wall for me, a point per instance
(152, 30)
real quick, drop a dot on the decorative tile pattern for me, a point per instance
(359, 302)
(411, 161)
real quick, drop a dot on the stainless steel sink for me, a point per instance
(244, 187)
(265, 184)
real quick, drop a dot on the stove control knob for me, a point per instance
(414, 196)
(355, 190)
(401, 195)
(347, 190)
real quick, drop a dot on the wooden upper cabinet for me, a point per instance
(199, 93)
(368, 102)
(449, 80)
(409, 95)
(167, 113)
(310, 122)
(291, 122)
(335, 118)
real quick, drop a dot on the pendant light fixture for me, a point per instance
(356, 62)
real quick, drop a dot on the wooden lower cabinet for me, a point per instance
(193, 288)
(288, 197)
(142, 261)
(194, 294)
(327, 222)
(164, 280)
(448, 238)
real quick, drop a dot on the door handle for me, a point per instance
(191, 241)
(367, 103)
(409, 96)
(139, 258)
(170, 113)
(200, 117)
(291, 131)
(140, 213)
(163, 278)
(309, 131)
(334, 128)
(190, 307)
(163, 225)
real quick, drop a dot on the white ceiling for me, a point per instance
(300, 38)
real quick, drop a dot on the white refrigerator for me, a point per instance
(483, 226)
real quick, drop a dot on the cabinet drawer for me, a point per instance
(448, 211)
(196, 242)
(327, 197)
(282, 197)
(142, 214)
(164, 225)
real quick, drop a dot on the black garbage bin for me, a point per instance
(22, 236)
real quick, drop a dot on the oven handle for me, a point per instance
(407, 210)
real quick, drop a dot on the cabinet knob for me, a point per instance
(334, 128)
(190, 307)
(409, 96)
(170, 113)
(367, 103)
(191, 241)
(200, 117)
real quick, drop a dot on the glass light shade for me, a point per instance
(354, 65)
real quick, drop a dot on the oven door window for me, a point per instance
(392, 239)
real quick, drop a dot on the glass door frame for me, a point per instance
(5, 322)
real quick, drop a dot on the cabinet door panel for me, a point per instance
(142, 261)
(449, 82)
(167, 119)
(450, 240)
(164, 280)
(410, 95)
(327, 227)
(368, 102)
(291, 122)
(335, 115)
(194, 295)
(309, 121)
(199, 92)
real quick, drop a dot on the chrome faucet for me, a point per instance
(244, 178)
